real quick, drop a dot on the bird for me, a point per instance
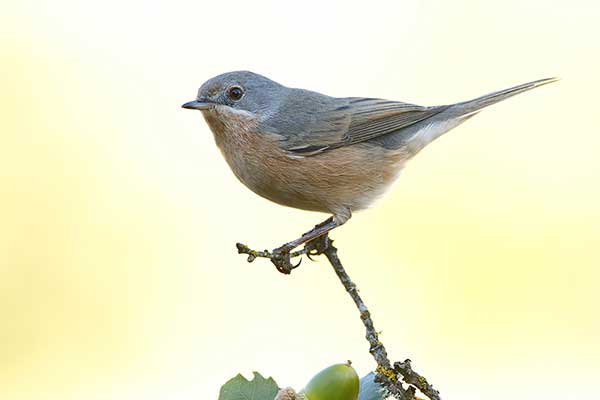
(314, 152)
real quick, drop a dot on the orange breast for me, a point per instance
(337, 181)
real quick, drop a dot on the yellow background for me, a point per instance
(118, 273)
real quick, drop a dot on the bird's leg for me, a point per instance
(316, 241)
(317, 231)
(281, 256)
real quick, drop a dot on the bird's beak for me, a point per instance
(198, 105)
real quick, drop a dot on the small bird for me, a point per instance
(314, 152)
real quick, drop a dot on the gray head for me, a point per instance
(242, 90)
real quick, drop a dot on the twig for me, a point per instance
(385, 374)
(412, 378)
(254, 254)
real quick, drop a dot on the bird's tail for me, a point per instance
(472, 106)
(453, 115)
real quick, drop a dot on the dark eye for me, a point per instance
(235, 92)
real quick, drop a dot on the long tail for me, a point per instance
(472, 106)
(421, 134)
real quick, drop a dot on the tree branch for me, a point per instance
(385, 374)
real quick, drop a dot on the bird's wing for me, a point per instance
(356, 120)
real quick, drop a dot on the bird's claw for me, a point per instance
(311, 251)
(281, 258)
(299, 262)
(317, 246)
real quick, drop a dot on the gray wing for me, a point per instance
(372, 118)
(326, 123)
(310, 123)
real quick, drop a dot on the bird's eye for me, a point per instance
(235, 92)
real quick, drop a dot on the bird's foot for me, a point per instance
(282, 256)
(282, 259)
(317, 246)
(316, 242)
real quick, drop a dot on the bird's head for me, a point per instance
(242, 91)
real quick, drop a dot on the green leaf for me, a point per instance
(369, 389)
(239, 388)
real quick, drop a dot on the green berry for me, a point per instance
(338, 382)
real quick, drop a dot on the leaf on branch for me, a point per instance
(369, 389)
(239, 388)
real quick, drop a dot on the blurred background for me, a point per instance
(119, 277)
